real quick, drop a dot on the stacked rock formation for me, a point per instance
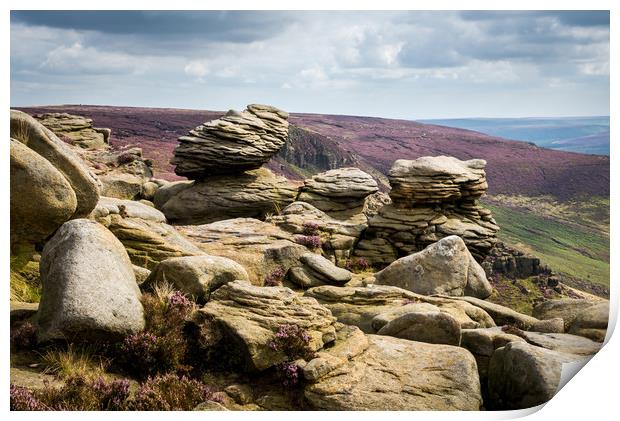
(237, 142)
(339, 193)
(224, 158)
(76, 129)
(432, 197)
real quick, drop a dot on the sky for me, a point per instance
(397, 64)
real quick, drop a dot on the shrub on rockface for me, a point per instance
(275, 277)
(171, 392)
(310, 241)
(24, 336)
(162, 346)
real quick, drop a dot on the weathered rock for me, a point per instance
(41, 197)
(396, 374)
(338, 237)
(121, 185)
(512, 263)
(143, 231)
(506, 316)
(168, 190)
(523, 375)
(149, 190)
(252, 194)
(141, 274)
(430, 327)
(445, 267)
(587, 318)
(317, 270)
(251, 315)
(592, 322)
(238, 141)
(197, 276)
(432, 198)
(41, 140)
(259, 247)
(562, 342)
(340, 193)
(89, 288)
(371, 307)
(76, 129)
(22, 311)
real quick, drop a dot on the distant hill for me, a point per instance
(575, 134)
(373, 144)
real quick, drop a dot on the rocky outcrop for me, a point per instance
(397, 374)
(432, 327)
(340, 193)
(75, 129)
(587, 318)
(337, 237)
(523, 375)
(372, 307)
(251, 194)
(250, 316)
(143, 231)
(445, 267)
(41, 140)
(316, 270)
(236, 142)
(260, 247)
(89, 287)
(432, 197)
(511, 263)
(197, 276)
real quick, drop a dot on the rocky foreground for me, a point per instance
(275, 294)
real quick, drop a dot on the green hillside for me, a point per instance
(573, 249)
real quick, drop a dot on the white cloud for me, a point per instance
(196, 69)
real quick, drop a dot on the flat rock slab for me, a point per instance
(400, 375)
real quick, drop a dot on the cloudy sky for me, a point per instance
(410, 65)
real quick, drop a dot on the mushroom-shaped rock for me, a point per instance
(89, 287)
(236, 142)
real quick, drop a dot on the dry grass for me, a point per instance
(74, 362)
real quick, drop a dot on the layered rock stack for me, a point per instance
(432, 197)
(224, 158)
(76, 129)
(236, 142)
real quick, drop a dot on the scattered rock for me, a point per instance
(141, 274)
(522, 375)
(89, 288)
(251, 315)
(197, 276)
(317, 270)
(587, 318)
(143, 231)
(445, 267)
(259, 247)
(236, 142)
(396, 374)
(430, 327)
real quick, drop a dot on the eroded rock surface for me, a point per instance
(76, 129)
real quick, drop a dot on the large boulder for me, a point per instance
(75, 129)
(523, 375)
(41, 197)
(260, 247)
(396, 374)
(432, 327)
(236, 142)
(340, 192)
(445, 267)
(432, 198)
(252, 194)
(89, 287)
(143, 231)
(250, 316)
(44, 142)
(197, 276)
(582, 317)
